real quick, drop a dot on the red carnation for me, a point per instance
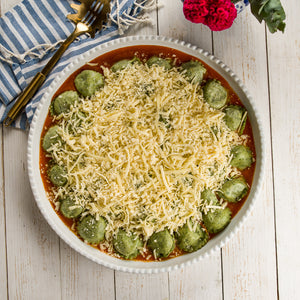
(195, 10)
(216, 14)
(221, 15)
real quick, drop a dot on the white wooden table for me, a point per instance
(261, 262)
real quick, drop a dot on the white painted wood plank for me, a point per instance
(8, 4)
(3, 270)
(32, 247)
(3, 265)
(138, 286)
(204, 279)
(172, 23)
(249, 259)
(284, 65)
(84, 279)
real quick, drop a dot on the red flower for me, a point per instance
(216, 14)
(195, 10)
(221, 15)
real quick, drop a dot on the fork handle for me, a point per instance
(37, 81)
(24, 98)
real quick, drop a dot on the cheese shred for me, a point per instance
(142, 149)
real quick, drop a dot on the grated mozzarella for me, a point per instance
(142, 149)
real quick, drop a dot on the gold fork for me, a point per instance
(89, 17)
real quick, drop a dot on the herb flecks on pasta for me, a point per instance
(141, 150)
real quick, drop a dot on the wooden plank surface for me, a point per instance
(284, 78)
(83, 279)
(32, 247)
(261, 262)
(257, 278)
(3, 267)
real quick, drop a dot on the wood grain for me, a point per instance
(249, 260)
(139, 286)
(83, 279)
(32, 247)
(284, 78)
(202, 280)
(179, 28)
(3, 267)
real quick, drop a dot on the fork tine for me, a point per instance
(103, 10)
(98, 7)
(94, 12)
(90, 12)
(93, 4)
(87, 17)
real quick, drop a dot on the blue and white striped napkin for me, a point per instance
(33, 29)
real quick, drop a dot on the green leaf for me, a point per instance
(270, 11)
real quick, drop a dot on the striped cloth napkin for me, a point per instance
(32, 30)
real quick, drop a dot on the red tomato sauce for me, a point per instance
(144, 53)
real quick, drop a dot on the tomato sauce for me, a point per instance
(144, 52)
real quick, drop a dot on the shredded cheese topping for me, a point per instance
(142, 149)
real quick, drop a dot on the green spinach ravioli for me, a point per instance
(146, 156)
